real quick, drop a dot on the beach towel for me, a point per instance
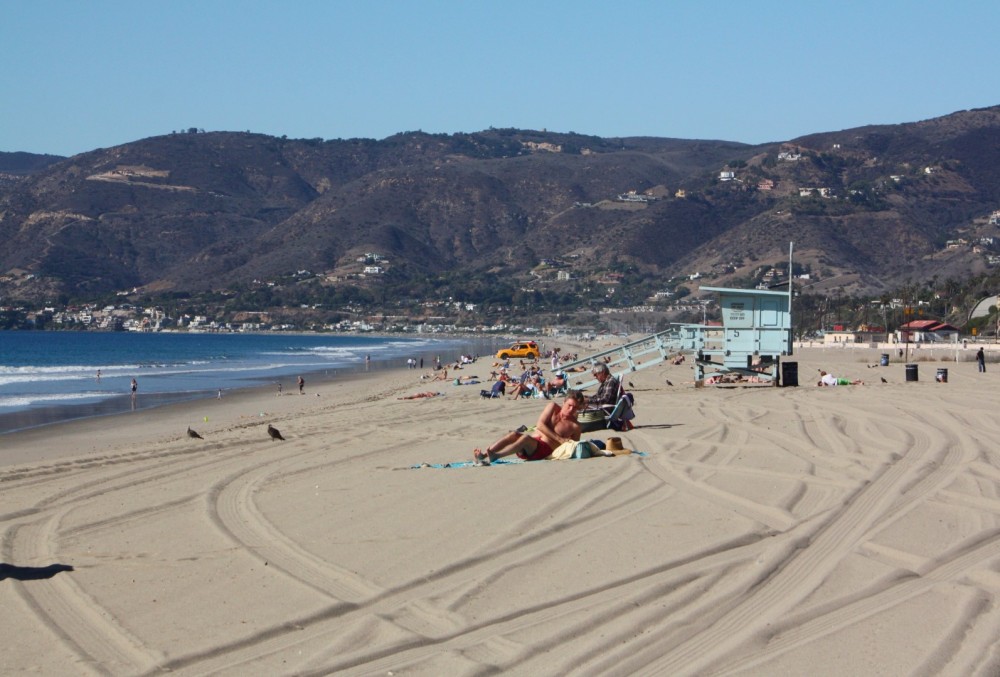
(468, 464)
(499, 461)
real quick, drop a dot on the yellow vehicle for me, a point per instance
(519, 349)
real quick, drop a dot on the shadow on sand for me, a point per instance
(31, 573)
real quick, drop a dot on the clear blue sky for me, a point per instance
(83, 74)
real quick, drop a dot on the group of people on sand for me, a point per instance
(531, 383)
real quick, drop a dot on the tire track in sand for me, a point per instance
(408, 605)
(839, 535)
(65, 609)
(801, 629)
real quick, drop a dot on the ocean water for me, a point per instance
(53, 376)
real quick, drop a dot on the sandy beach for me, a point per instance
(762, 531)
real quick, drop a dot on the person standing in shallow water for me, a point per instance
(981, 360)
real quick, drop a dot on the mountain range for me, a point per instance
(868, 209)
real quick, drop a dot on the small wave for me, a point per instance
(56, 398)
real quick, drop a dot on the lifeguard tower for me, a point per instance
(756, 333)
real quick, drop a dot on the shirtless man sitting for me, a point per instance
(556, 425)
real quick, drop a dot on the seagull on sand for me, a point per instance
(274, 433)
(192, 433)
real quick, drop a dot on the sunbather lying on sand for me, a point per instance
(556, 425)
(419, 395)
(831, 380)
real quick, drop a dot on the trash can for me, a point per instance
(911, 372)
(789, 374)
(885, 360)
(942, 375)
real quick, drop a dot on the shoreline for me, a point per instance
(239, 407)
(52, 414)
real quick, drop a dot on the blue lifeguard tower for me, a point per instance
(756, 333)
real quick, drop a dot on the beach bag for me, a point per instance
(572, 449)
(586, 449)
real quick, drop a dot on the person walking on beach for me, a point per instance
(981, 360)
(302, 385)
(135, 387)
(368, 362)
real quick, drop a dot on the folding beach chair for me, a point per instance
(620, 418)
(497, 391)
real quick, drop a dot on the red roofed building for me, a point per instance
(927, 331)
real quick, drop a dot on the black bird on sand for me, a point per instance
(274, 432)
(883, 379)
(192, 433)
(630, 385)
(669, 383)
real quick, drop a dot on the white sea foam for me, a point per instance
(27, 400)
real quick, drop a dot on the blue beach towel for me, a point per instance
(468, 464)
(499, 461)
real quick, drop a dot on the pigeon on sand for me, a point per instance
(274, 433)
(192, 433)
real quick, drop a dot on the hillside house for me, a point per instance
(809, 192)
(633, 196)
(727, 175)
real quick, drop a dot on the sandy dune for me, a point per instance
(820, 531)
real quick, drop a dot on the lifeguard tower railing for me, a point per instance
(756, 333)
(633, 356)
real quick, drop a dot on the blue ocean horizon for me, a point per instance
(48, 376)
